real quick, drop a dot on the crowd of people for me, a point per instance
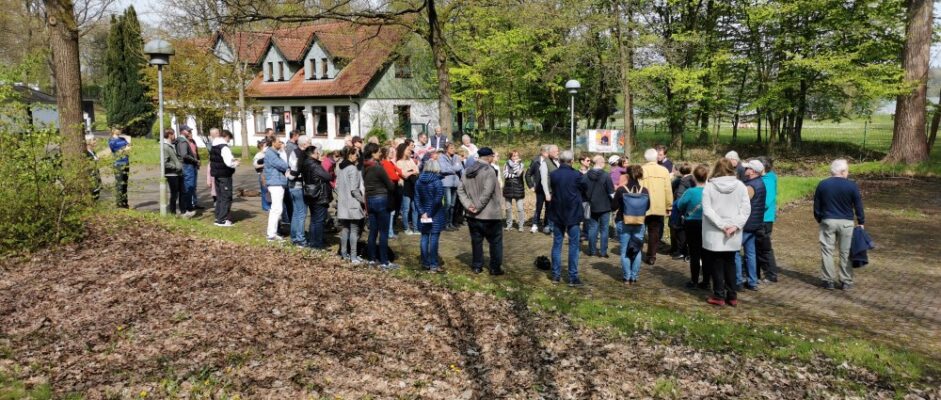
(720, 217)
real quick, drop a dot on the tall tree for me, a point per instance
(63, 43)
(909, 143)
(126, 91)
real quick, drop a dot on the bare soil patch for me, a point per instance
(136, 310)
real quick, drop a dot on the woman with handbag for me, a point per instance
(317, 195)
(350, 203)
(689, 206)
(513, 190)
(275, 165)
(631, 202)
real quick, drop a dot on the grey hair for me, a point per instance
(839, 166)
(465, 137)
(552, 146)
(303, 140)
(650, 155)
(545, 148)
(432, 166)
(567, 156)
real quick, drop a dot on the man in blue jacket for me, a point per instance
(836, 202)
(566, 214)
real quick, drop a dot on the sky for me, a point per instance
(149, 12)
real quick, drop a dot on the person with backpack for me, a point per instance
(172, 170)
(689, 206)
(513, 190)
(274, 168)
(725, 209)
(566, 214)
(317, 195)
(599, 191)
(631, 203)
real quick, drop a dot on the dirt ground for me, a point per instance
(135, 311)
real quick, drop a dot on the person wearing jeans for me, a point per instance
(429, 191)
(315, 175)
(409, 175)
(173, 168)
(566, 213)
(296, 190)
(755, 223)
(185, 148)
(630, 267)
(599, 192)
(378, 187)
(451, 168)
(836, 202)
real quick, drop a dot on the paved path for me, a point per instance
(897, 299)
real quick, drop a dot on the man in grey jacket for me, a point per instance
(479, 193)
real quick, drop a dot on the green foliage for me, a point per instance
(125, 92)
(40, 209)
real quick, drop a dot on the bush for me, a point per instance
(39, 208)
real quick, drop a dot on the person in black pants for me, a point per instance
(689, 206)
(173, 171)
(479, 193)
(221, 167)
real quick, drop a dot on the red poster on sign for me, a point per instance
(287, 117)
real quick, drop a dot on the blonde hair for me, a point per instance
(115, 131)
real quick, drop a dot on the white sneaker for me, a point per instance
(534, 229)
(388, 266)
(274, 238)
(356, 260)
(189, 214)
(226, 224)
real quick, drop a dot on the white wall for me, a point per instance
(382, 112)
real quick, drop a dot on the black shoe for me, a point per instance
(703, 286)
(847, 286)
(589, 254)
(677, 256)
(199, 207)
(773, 279)
(827, 285)
(556, 281)
(753, 288)
(576, 283)
(690, 285)
(497, 272)
(738, 288)
(478, 270)
(604, 255)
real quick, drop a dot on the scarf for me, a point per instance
(514, 169)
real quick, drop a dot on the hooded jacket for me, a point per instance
(599, 190)
(429, 191)
(479, 189)
(350, 199)
(724, 203)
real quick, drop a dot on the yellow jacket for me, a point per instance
(657, 181)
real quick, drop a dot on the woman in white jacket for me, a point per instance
(725, 208)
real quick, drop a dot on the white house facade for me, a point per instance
(331, 81)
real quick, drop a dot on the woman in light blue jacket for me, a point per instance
(275, 168)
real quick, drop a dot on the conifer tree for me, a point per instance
(129, 106)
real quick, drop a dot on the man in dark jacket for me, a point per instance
(566, 214)
(836, 202)
(599, 189)
(479, 192)
(754, 227)
(186, 150)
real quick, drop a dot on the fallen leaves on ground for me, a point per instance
(137, 311)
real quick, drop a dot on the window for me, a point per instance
(280, 70)
(403, 67)
(404, 123)
(277, 115)
(313, 69)
(343, 120)
(259, 123)
(270, 74)
(323, 68)
(298, 118)
(319, 116)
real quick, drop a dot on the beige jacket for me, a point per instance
(657, 181)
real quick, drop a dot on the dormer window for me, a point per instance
(281, 70)
(312, 69)
(269, 74)
(323, 68)
(403, 68)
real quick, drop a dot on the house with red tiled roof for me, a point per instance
(334, 80)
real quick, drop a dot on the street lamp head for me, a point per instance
(159, 51)
(572, 86)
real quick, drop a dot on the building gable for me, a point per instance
(275, 66)
(318, 63)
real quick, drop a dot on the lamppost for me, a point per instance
(160, 52)
(572, 86)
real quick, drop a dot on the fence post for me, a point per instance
(865, 134)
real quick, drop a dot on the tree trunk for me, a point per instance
(63, 43)
(935, 120)
(738, 105)
(435, 40)
(758, 116)
(626, 58)
(242, 118)
(909, 143)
